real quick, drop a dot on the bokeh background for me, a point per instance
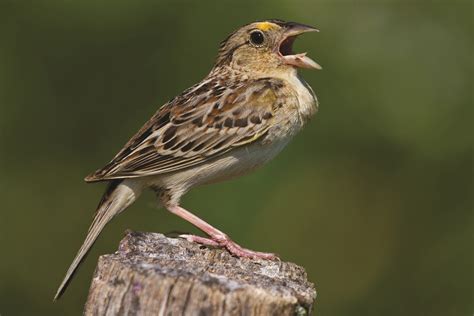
(374, 198)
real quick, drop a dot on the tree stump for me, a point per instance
(151, 274)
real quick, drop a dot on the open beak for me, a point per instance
(286, 46)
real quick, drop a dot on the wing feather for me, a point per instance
(197, 126)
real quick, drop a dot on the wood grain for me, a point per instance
(151, 274)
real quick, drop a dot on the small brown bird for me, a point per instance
(239, 117)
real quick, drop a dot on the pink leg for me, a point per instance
(217, 237)
(200, 240)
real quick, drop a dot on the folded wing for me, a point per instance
(204, 122)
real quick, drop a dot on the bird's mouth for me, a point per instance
(286, 47)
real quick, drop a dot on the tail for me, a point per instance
(118, 196)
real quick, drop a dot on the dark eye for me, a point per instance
(256, 38)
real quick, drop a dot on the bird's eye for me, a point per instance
(256, 38)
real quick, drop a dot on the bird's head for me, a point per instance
(264, 47)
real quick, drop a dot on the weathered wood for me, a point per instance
(151, 274)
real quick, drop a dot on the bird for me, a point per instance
(240, 116)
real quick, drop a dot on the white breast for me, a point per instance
(306, 97)
(307, 101)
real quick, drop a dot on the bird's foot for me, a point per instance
(231, 246)
(200, 240)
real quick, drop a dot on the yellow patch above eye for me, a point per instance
(265, 26)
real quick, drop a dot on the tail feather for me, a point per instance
(118, 196)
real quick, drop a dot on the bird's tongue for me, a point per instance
(302, 61)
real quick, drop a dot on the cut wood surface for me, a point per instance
(151, 274)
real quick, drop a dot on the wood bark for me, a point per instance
(151, 274)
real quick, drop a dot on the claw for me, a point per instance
(231, 246)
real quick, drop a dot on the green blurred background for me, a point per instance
(374, 198)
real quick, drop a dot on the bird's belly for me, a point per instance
(233, 164)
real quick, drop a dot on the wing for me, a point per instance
(204, 122)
